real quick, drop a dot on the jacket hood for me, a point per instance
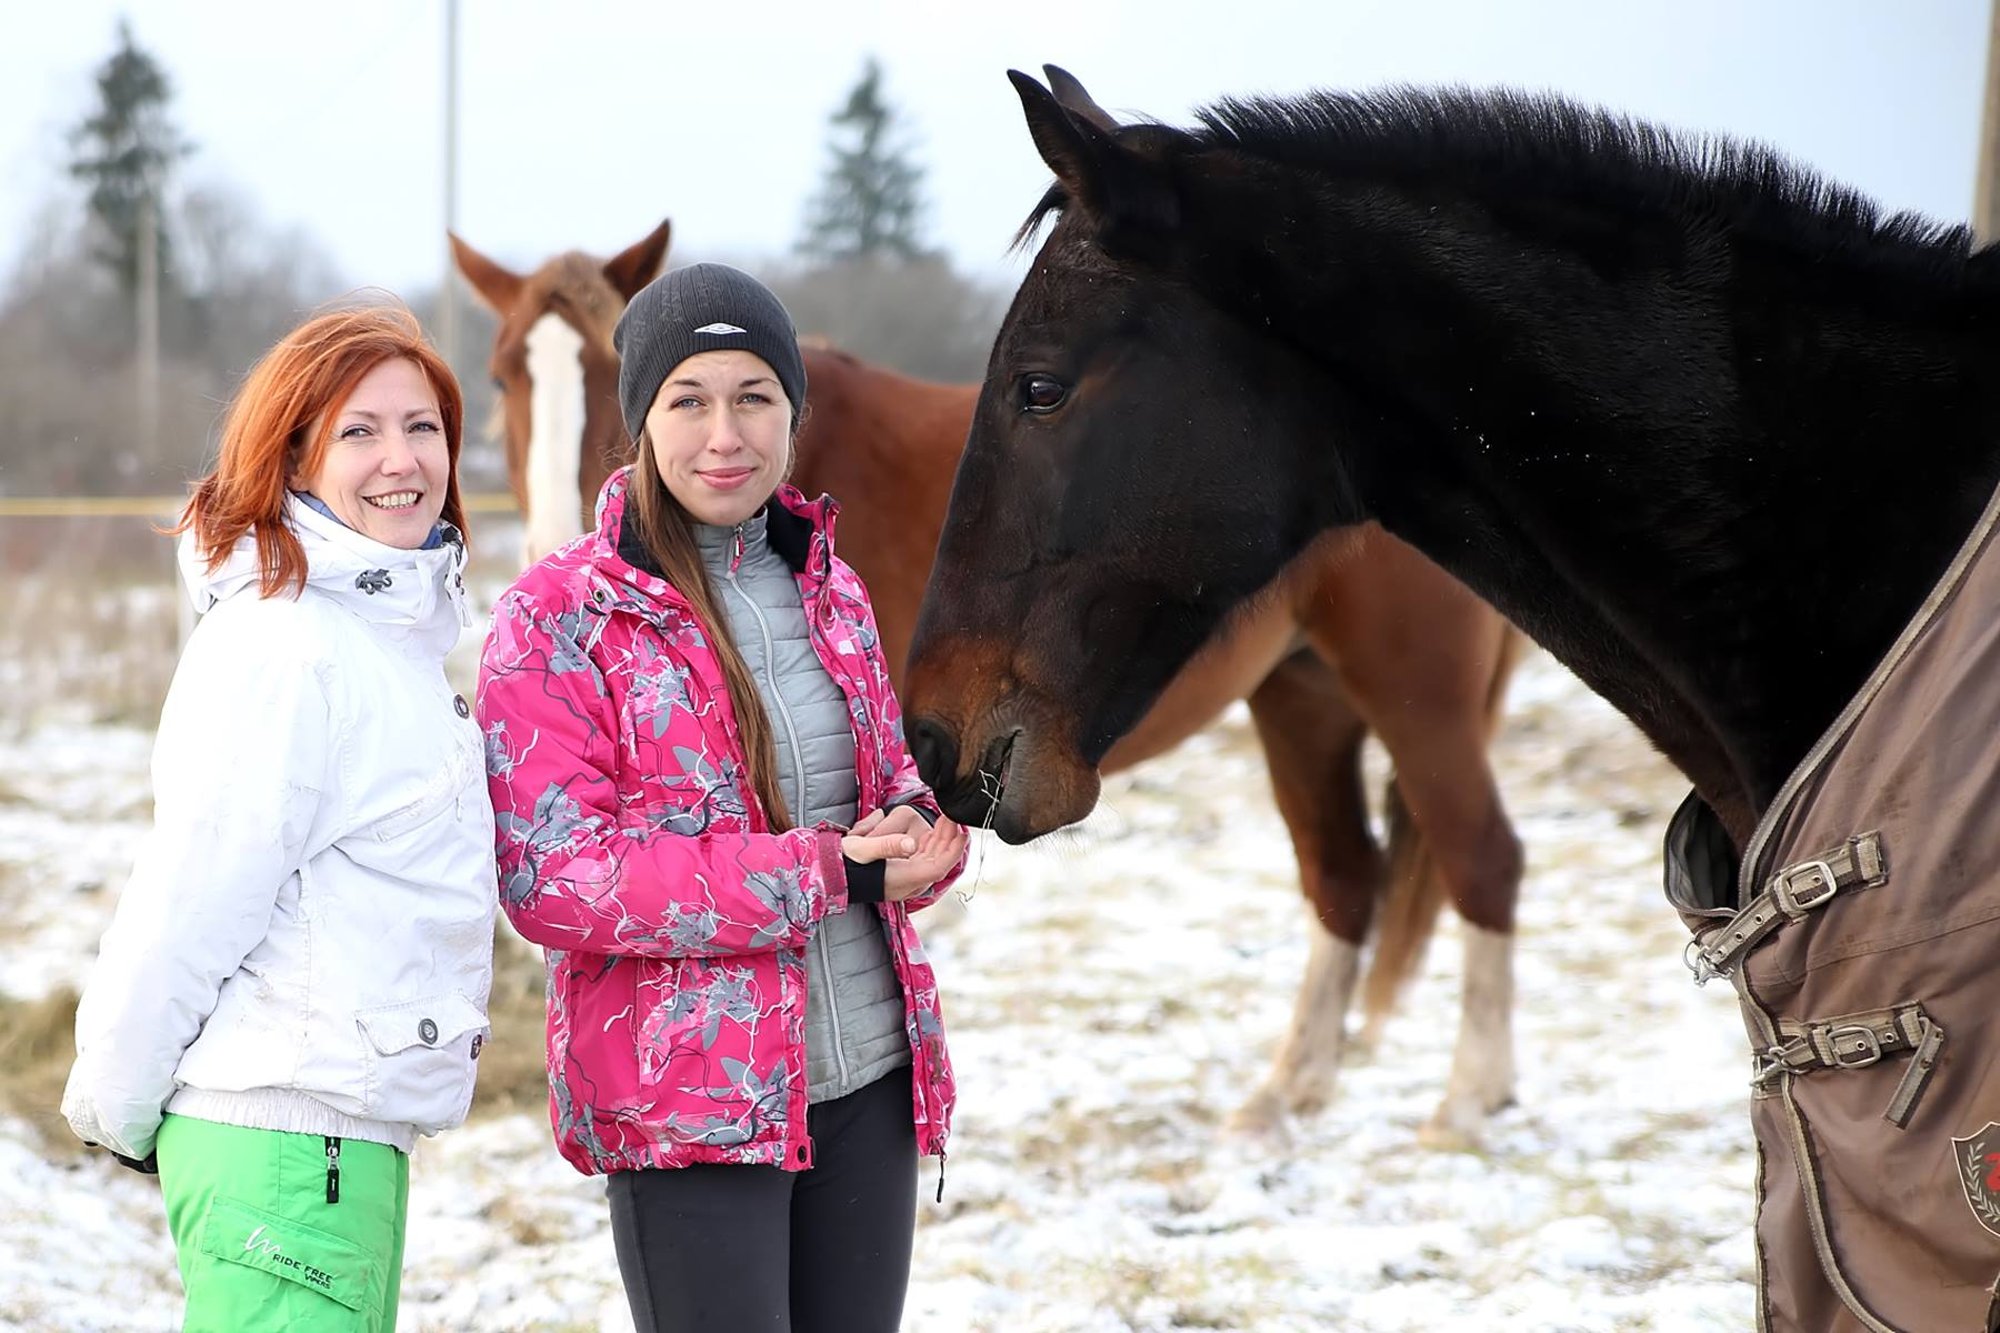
(421, 591)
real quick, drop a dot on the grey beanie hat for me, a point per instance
(701, 308)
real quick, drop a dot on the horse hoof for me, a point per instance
(1457, 1125)
(1440, 1134)
(1262, 1118)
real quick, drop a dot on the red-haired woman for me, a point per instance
(294, 985)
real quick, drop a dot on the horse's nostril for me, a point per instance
(935, 751)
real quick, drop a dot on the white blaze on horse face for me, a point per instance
(555, 441)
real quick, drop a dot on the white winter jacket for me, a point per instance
(306, 942)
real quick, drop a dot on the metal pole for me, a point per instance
(1986, 192)
(448, 288)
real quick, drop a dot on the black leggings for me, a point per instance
(825, 1250)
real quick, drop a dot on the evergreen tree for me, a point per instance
(125, 151)
(869, 204)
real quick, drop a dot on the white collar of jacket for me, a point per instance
(422, 592)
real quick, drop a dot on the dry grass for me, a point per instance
(37, 1047)
(99, 646)
(513, 1071)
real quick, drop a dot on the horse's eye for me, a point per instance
(1040, 393)
(499, 384)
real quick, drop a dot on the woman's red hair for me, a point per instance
(281, 421)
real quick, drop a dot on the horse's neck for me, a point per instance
(1715, 482)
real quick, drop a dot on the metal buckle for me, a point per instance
(1788, 898)
(1768, 1064)
(1695, 958)
(1867, 1044)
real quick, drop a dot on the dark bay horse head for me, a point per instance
(1066, 592)
(1642, 393)
(557, 374)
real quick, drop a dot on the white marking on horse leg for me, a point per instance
(555, 442)
(1482, 1068)
(1302, 1077)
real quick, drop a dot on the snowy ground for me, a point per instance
(1111, 996)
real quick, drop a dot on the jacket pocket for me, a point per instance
(420, 1056)
(439, 792)
(336, 1268)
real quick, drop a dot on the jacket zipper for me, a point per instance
(771, 678)
(798, 784)
(332, 1170)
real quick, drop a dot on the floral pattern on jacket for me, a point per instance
(633, 849)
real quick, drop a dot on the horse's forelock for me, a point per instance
(575, 282)
(1053, 201)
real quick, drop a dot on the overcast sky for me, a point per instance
(584, 122)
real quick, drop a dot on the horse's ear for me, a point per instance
(499, 288)
(1125, 194)
(1074, 98)
(637, 265)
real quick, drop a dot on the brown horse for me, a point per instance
(1361, 634)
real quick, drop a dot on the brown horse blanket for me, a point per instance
(1864, 944)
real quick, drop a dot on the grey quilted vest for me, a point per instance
(854, 1004)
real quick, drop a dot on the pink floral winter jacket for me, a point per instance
(633, 850)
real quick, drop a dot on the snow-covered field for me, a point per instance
(1111, 995)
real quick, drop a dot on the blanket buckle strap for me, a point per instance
(1857, 1041)
(1789, 895)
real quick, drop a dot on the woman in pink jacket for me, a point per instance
(708, 818)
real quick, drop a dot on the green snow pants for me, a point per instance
(284, 1231)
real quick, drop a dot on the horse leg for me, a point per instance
(1425, 664)
(1443, 777)
(1312, 747)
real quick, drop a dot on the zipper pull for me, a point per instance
(333, 1171)
(737, 561)
(940, 1193)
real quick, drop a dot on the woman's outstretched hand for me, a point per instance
(918, 854)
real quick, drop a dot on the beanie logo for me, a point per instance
(719, 328)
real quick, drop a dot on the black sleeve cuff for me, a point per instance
(916, 803)
(867, 882)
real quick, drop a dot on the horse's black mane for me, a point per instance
(1549, 147)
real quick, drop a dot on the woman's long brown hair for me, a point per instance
(667, 532)
(281, 421)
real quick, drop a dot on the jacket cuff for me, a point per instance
(866, 882)
(923, 806)
(832, 869)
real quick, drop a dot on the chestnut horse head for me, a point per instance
(557, 374)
